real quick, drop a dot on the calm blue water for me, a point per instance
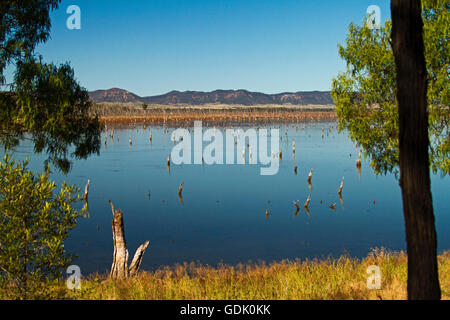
(223, 215)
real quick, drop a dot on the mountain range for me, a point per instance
(235, 97)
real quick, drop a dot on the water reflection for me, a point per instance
(180, 193)
(307, 211)
(342, 200)
(358, 169)
(296, 203)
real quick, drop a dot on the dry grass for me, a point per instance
(332, 279)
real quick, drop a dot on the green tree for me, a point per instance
(365, 94)
(44, 103)
(409, 51)
(34, 222)
(144, 106)
(394, 101)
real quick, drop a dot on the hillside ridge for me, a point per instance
(231, 97)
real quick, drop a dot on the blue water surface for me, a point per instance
(223, 214)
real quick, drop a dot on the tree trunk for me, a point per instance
(408, 48)
(119, 268)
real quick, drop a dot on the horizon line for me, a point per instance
(199, 91)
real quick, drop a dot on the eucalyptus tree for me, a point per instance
(365, 94)
(394, 100)
(44, 103)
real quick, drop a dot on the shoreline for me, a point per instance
(217, 115)
(342, 278)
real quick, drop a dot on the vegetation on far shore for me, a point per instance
(343, 278)
(183, 115)
(109, 109)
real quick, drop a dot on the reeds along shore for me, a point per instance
(173, 115)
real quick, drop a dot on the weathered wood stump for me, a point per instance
(341, 186)
(310, 176)
(120, 268)
(86, 190)
(86, 198)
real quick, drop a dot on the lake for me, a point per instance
(222, 216)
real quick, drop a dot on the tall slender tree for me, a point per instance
(408, 49)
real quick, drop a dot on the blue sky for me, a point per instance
(151, 47)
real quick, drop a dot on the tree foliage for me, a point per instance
(44, 103)
(34, 222)
(365, 94)
(24, 25)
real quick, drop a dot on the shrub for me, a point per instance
(34, 222)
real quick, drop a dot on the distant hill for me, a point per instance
(236, 97)
(114, 95)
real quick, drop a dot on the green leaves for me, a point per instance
(24, 25)
(50, 105)
(34, 222)
(55, 109)
(365, 94)
(44, 100)
(46, 103)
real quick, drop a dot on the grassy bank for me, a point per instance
(343, 278)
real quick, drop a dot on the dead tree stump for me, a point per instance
(120, 268)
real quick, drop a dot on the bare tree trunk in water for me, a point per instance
(120, 268)
(408, 48)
